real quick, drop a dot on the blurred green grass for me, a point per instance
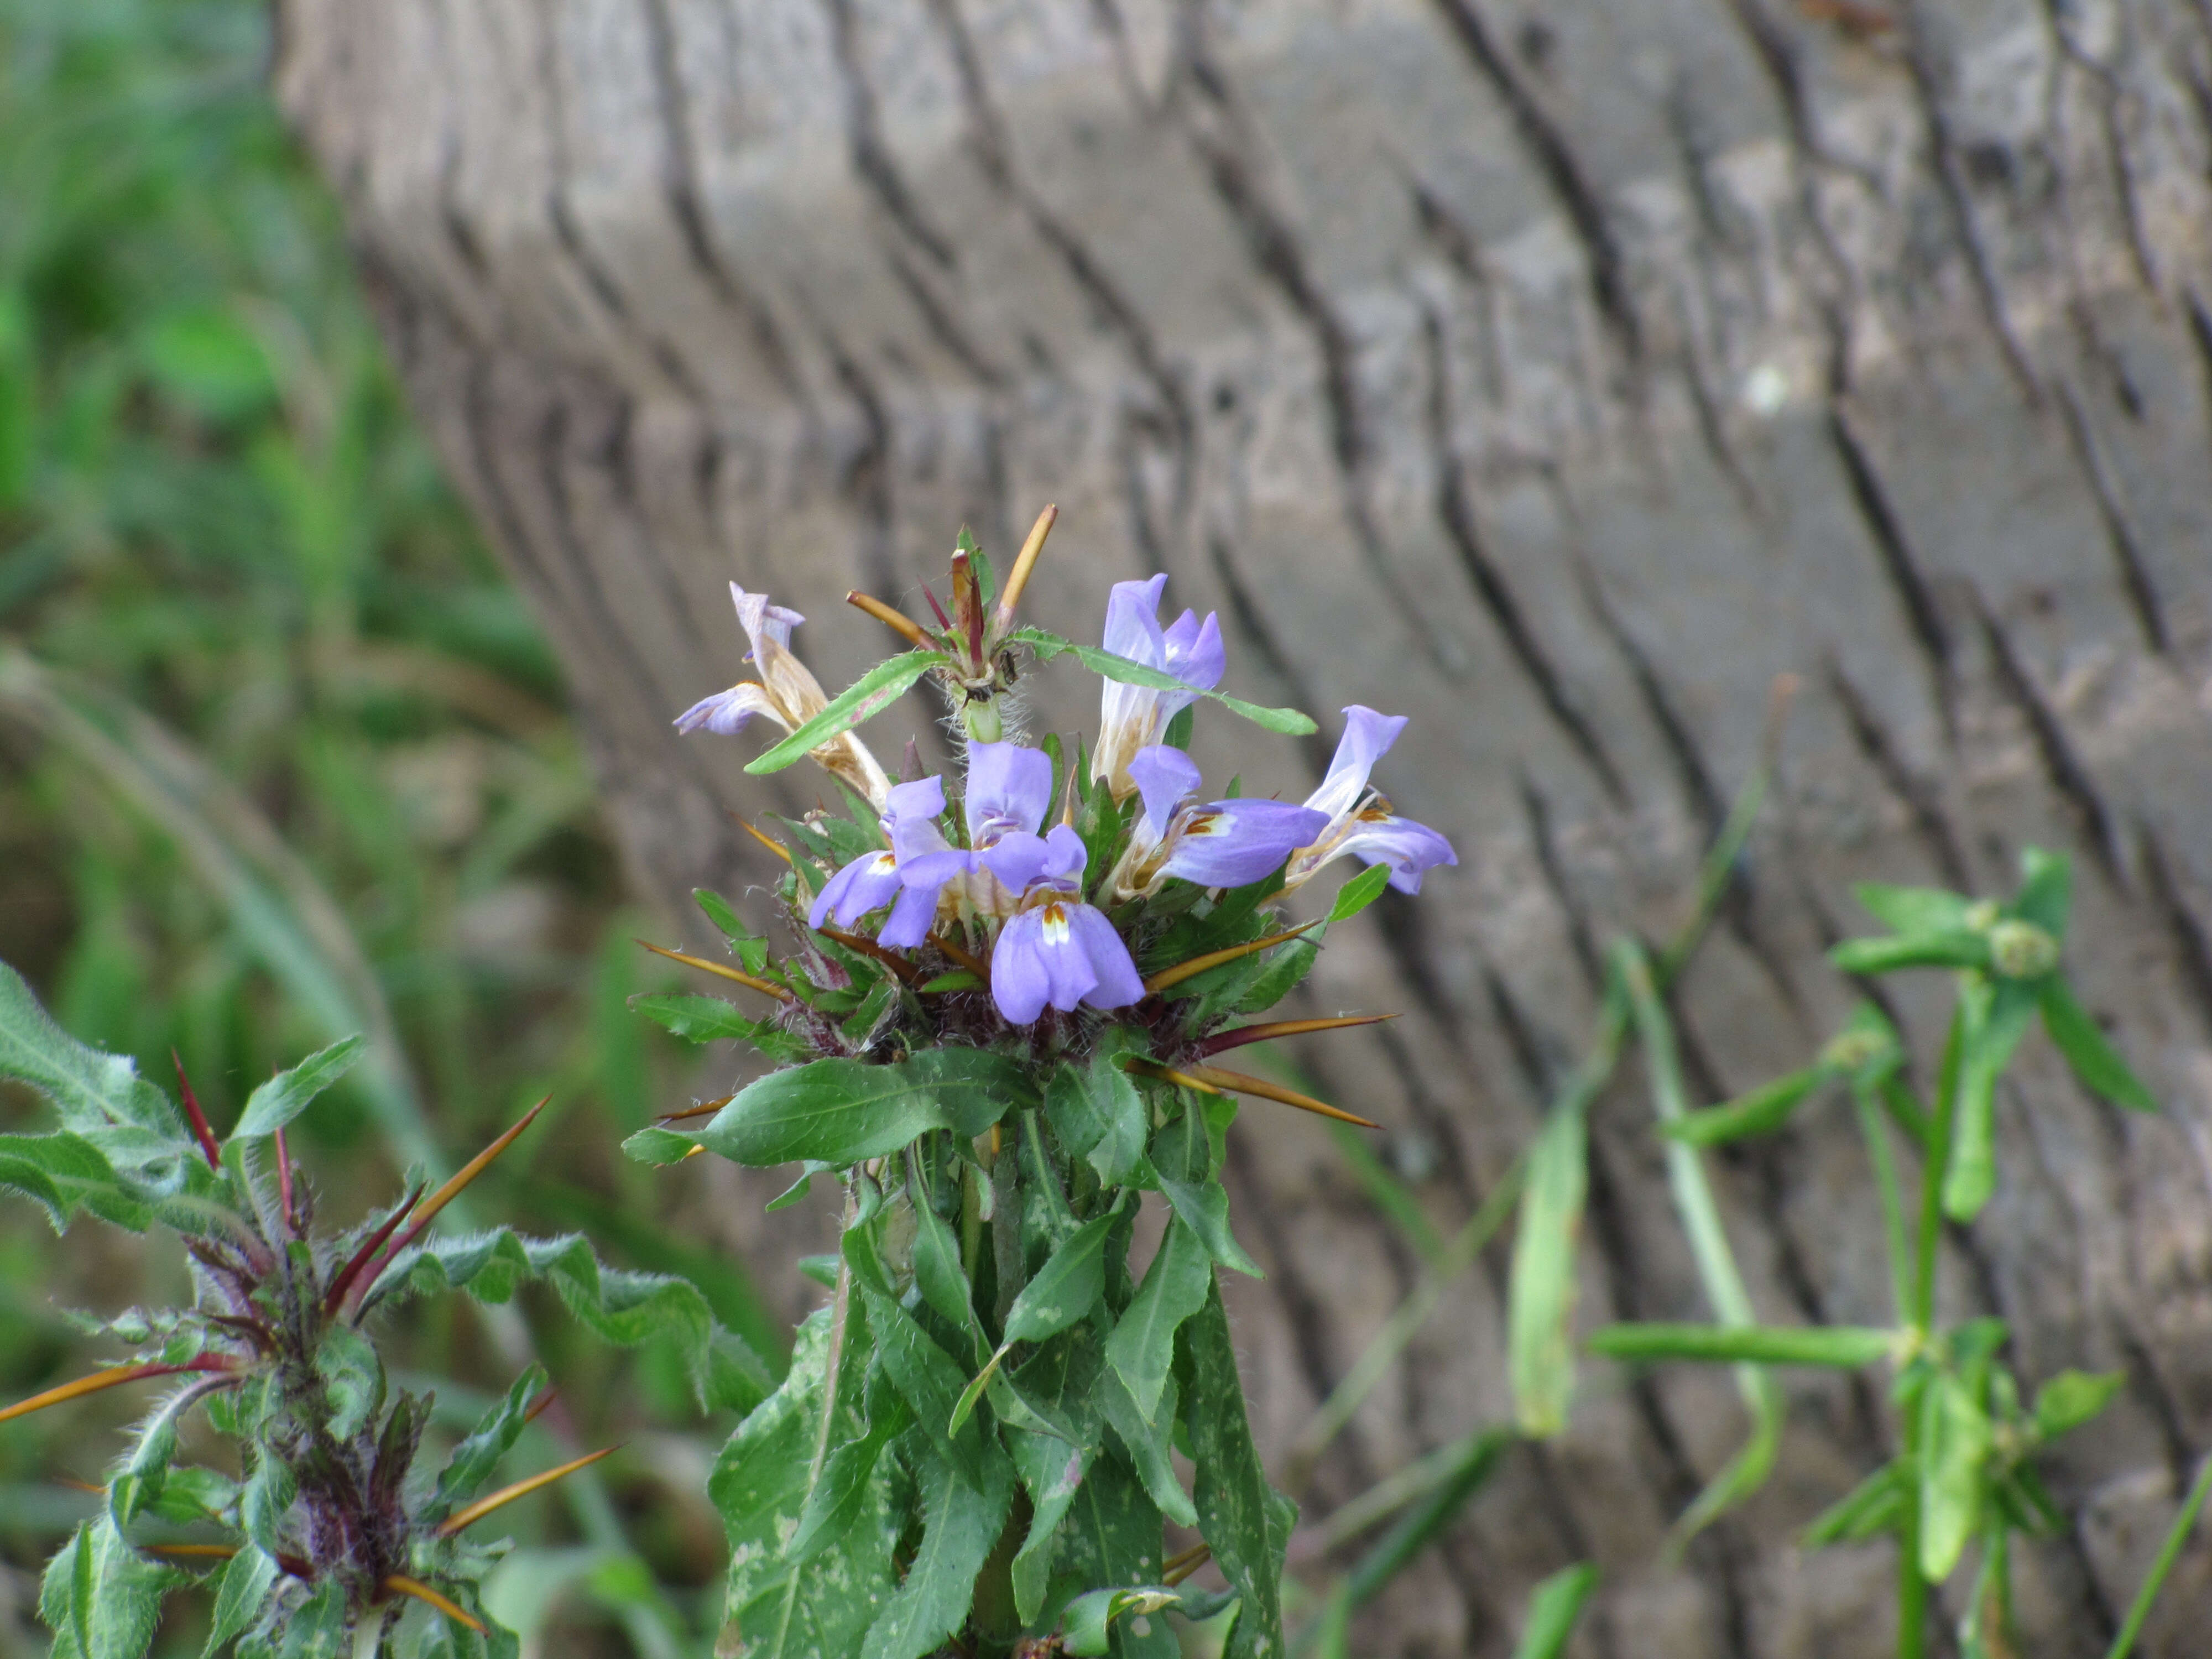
(281, 752)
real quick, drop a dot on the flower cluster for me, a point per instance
(998, 1023)
(1055, 923)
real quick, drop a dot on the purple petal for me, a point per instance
(1017, 858)
(1117, 984)
(1227, 844)
(1367, 738)
(1195, 652)
(1009, 788)
(1037, 961)
(1406, 847)
(1065, 855)
(1133, 621)
(725, 711)
(868, 882)
(912, 916)
(759, 616)
(1166, 777)
(922, 799)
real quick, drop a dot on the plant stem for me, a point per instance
(2169, 1553)
(1911, 1586)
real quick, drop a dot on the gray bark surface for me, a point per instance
(1555, 375)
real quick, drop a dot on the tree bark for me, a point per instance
(1556, 375)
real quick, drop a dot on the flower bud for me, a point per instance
(2020, 949)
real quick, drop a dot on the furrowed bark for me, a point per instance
(1555, 375)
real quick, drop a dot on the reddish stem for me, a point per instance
(198, 1117)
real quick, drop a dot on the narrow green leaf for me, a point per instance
(710, 1020)
(1478, 1457)
(866, 697)
(1971, 1177)
(926, 1377)
(1894, 952)
(960, 1524)
(66, 1173)
(2169, 1552)
(2096, 1063)
(90, 1090)
(1539, 1354)
(1362, 891)
(842, 1111)
(1762, 1111)
(1874, 1505)
(1288, 721)
(2046, 890)
(246, 1581)
(1066, 1288)
(2072, 1398)
(1913, 909)
(1098, 1111)
(1554, 1607)
(839, 1499)
(1111, 1537)
(473, 1461)
(285, 1095)
(1246, 1522)
(1954, 1444)
(1148, 1444)
(101, 1598)
(1142, 1346)
(1844, 1345)
(1203, 1207)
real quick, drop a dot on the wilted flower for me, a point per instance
(875, 879)
(1132, 717)
(1359, 821)
(787, 694)
(1056, 949)
(1224, 843)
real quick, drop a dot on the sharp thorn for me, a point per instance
(1183, 970)
(199, 1118)
(705, 966)
(1240, 1083)
(701, 1111)
(902, 625)
(764, 838)
(405, 1586)
(867, 947)
(346, 1275)
(506, 1495)
(1222, 1041)
(1024, 563)
(114, 1376)
(959, 957)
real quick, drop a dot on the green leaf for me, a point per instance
(761, 1486)
(960, 1524)
(1888, 955)
(1362, 891)
(1288, 721)
(1066, 1288)
(1086, 1624)
(838, 1500)
(939, 1275)
(1844, 1345)
(246, 1581)
(474, 1460)
(617, 1305)
(285, 1095)
(2046, 890)
(1472, 1463)
(841, 1111)
(1247, 1523)
(1954, 1444)
(710, 1020)
(750, 948)
(66, 1173)
(1203, 1207)
(1111, 1537)
(353, 1378)
(866, 697)
(1098, 1111)
(1540, 1356)
(1148, 1444)
(925, 1377)
(101, 1598)
(2096, 1063)
(1553, 1607)
(1991, 1039)
(1875, 1505)
(91, 1090)
(1141, 1348)
(1913, 909)
(1762, 1111)
(2072, 1398)
(960, 979)
(263, 1502)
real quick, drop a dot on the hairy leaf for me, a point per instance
(866, 697)
(1142, 1346)
(1288, 721)
(1247, 1523)
(474, 1460)
(246, 1581)
(1066, 1288)
(960, 1524)
(101, 1598)
(66, 1173)
(286, 1095)
(841, 1111)
(710, 1020)
(90, 1090)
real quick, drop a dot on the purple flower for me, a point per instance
(787, 694)
(1224, 843)
(1009, 792)
(1056, 949)
(1130, 717)
(875, 879)
(1360, 820)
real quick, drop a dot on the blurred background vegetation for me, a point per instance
(282, 756)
